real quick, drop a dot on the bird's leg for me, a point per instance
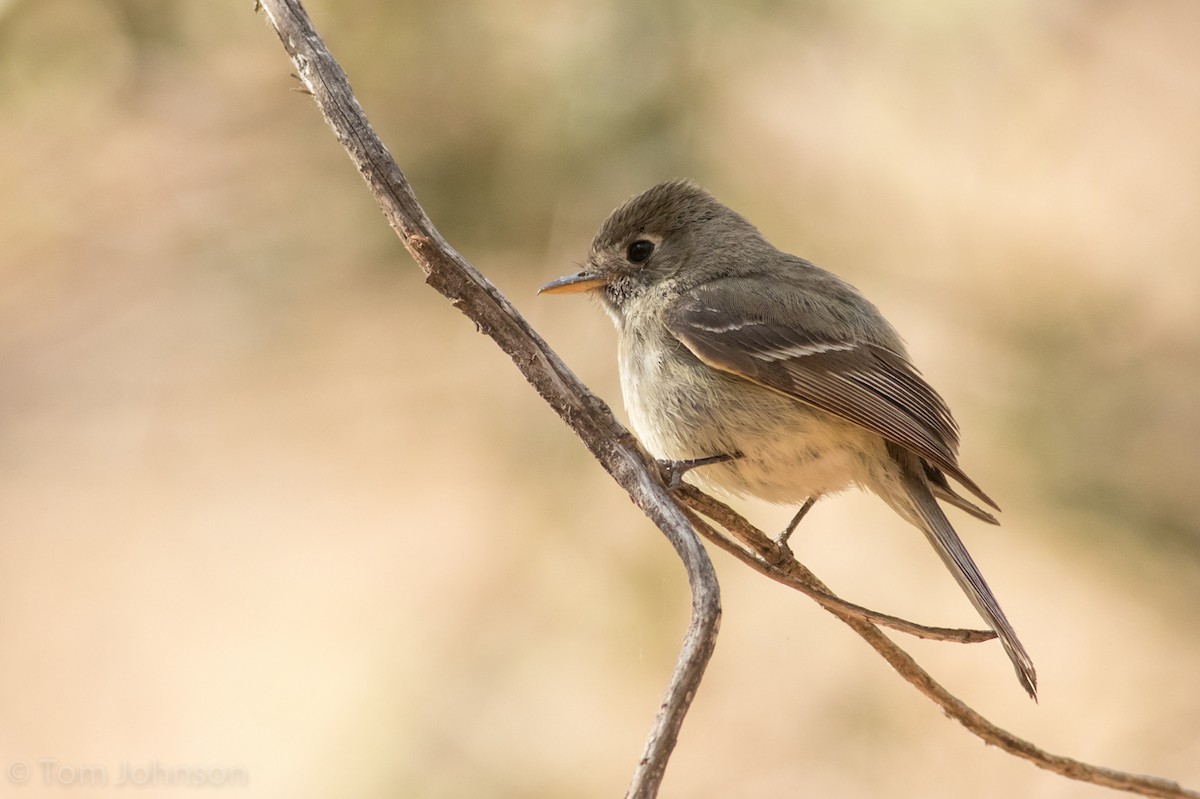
(673, 471)
(791, 528)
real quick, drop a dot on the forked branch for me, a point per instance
(757, 550)
(614, 447)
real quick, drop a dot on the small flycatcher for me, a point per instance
(778, 375)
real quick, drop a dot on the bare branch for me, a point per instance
(781, 573)
(614, 447)
(586, 414)
(763, 554)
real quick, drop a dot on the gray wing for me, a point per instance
(862, 382)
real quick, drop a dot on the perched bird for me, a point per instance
(777, 379)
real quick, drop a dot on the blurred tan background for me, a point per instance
(270, 507)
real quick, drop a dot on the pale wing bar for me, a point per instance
(862, 383)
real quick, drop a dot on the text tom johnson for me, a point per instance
(147, 774)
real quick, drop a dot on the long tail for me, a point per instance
(952, 552)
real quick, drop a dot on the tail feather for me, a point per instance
(954, 554)
(942, 490)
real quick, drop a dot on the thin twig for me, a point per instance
(827, 600)
(763, 554)
(610, 443)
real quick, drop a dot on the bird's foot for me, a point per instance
(673, 471)
(782, 540)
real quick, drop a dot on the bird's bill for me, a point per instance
(573, 284)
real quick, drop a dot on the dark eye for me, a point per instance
(639, 251)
